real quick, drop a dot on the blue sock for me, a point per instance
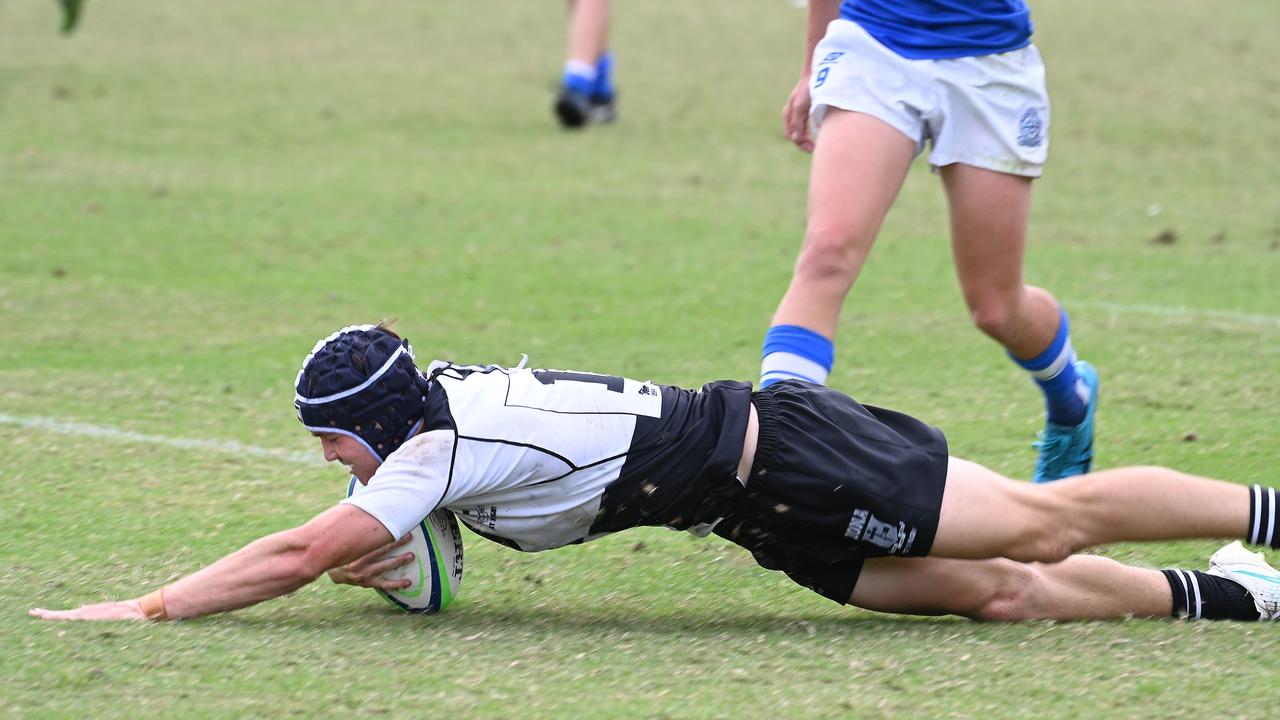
(603, 89)
(1065, 397)
(579, 77)
(792, 352)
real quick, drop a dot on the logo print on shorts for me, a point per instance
(1030, 128)
(894, 539)
(821, 77)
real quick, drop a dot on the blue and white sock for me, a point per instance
(1066, 397)
(602, 90)
(579, 77)
(792, 352)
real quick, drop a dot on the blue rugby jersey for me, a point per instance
(940, 29)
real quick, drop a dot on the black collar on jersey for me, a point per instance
(362, 382)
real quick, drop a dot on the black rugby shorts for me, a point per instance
(835, 482)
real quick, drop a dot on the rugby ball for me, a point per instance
(436, 570)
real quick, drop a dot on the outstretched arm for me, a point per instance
(266, 568)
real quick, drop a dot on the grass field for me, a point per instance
(192, 193)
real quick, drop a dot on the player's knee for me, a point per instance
(1039, 523)
(829, 253)
(1050, 539)
(992, 315)
(1012, 593)
(1054, 546)
(1049, 532)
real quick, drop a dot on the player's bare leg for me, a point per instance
(588, 30)
(1082, 587)
(859, 164)
(989, 217)
(587, 94)
(986, 515)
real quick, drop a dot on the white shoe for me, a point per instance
(1249, 569)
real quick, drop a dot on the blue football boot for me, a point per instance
(1067, 450)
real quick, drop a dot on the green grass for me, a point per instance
(191, 194)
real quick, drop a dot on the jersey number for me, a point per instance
(584, 393)
(610, 382)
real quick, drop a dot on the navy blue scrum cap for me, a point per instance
(362, 382)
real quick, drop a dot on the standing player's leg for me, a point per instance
(989, 216)
(586, 87)
(859, 164)
(1082, 587)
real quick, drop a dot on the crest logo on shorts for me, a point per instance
(1030, 128)
(894, 539)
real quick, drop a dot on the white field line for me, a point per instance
(1180, 312)
(228, 447)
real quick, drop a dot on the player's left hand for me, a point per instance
(118, 610)
(795, 116)
(367, 571)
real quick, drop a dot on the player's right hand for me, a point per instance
(118, 610)
(367, 571)
(795, 116)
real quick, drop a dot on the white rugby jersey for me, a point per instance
(537, 459)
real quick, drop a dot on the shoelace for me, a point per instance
(1054, 448)
(1057, 445)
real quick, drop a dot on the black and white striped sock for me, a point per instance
(1200, 596)
(1262, 517)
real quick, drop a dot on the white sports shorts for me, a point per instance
(989, 111)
